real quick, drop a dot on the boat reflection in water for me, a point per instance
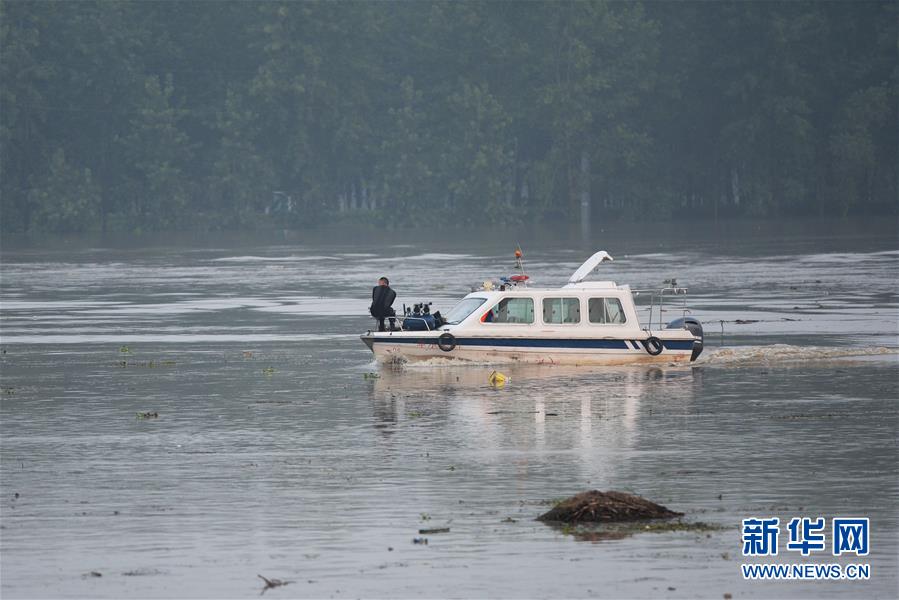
(592, 415)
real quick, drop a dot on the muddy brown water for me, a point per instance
(275, 453)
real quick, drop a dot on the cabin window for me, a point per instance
(459, 312)
(557, 311)
(511, 310)
(606, 311)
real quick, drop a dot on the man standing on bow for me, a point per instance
(382, 298)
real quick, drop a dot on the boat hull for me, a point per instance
(404, 348)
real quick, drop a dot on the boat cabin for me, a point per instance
(590, 307)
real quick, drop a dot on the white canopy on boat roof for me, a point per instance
(595, 285)
(588, 266)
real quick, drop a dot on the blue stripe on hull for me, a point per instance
(587, 344)
(678, 345)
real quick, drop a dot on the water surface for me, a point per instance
(275, 452)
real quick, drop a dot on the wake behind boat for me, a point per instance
(581, 323)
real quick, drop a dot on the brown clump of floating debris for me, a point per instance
(606, 507)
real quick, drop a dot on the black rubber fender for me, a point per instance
(653, 345)
(446, 342)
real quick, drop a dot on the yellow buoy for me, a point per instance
(497, 379)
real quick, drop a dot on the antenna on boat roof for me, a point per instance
(518, 256)
(522, 277)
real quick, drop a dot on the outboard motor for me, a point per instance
(693, 325)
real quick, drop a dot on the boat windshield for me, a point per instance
(462, 310)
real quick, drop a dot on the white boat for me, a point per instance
(581, 323)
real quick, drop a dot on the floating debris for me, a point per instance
(434, 530)
(804, 416)
(272, 583)
(268, 371)
(679, 525)
(141, 572)
(148, 415)
(593, 534)
(125, 350)
(420, 540)
(247, 354)
(150, 365)
(595, 506)
(371, 376)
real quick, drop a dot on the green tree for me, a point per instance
(23, 142)
(194, 114)
(855, 146)
(242, 181)
(408, 158)
(160, 152)
(478, 160)
(67, 199)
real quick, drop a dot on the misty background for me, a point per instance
(202, 116)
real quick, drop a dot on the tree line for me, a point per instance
(125, 116)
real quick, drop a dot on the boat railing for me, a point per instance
(400, 319)
(657, 304)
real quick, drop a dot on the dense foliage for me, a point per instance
(164, 115)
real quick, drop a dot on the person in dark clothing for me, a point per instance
(382, 298)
